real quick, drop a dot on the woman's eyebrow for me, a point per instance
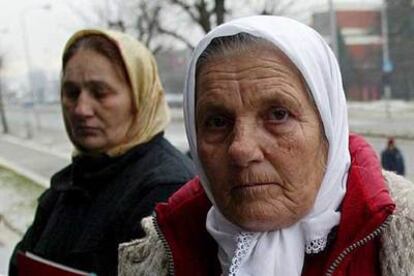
(97, 83)
(69, 83)
(212, 105)
(269, 94)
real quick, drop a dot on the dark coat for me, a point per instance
(353, 247)
(392, 160)
(98, 202)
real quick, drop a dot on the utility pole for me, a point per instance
(387, 66)
(333, 29)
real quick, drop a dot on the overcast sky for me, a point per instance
(49, 23)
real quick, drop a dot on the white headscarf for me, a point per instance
(282, 252)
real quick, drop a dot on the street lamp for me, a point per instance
(387, 66)
(29, 62)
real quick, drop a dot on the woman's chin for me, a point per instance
(263, 223)
(262, 226)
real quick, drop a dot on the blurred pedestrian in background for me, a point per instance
(115, 113)
(284, 188)
(392, 158)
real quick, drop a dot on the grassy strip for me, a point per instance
(18, 198)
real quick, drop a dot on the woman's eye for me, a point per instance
(278, 114)
(98, 91)
(216, 122)
(71, 92)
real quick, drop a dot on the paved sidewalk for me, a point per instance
(34, 161)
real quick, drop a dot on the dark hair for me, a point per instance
(234, 44)
(240, 44)
(391, 141)
(101, 45)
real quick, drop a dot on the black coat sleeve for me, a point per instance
(46, 203)
(130, 228)
(160, 180)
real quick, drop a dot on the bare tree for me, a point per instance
(138, 17)
(271, 7)
(147, 24)
(148, 19)
(207, 14)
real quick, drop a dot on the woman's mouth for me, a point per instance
(254, 185)
(86, 130)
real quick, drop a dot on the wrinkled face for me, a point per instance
(259, 138)
(96, 102)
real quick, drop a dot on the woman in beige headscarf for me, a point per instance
(115, 112)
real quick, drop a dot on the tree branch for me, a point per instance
(177, 36)
(118, 24)
(186, 8)
(204, 16)
(157, 49)
(220, 11)
(276, 7)
(152, 22)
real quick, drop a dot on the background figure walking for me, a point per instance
(392, 159)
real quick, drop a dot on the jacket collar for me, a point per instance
(367, 202)
(88, 174)
(182, 222)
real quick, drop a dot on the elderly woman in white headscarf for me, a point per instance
(283, 187)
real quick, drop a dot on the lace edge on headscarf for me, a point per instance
(244, 240)
(315, 246)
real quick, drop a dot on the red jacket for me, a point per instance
(353, 251)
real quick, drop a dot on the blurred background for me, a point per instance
(372, 39)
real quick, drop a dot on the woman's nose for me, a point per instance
(245, 146)
(84, 105)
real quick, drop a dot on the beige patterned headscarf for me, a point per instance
(152, 112)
